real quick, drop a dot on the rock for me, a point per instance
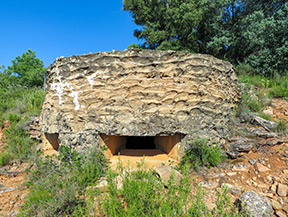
(241, 167)
(273, 188)
(138, 93)
(261, 168)
(282, 190)
(270, 142)
(3, 190)
(260, 132)
(241, 145)
(255, 205)
(280, 213)
(285, 208)
(268, 125)
(208, 184)
(252, 161)
(231, 174)
(102, 186)
(12, 174)
(166, 172)
(275, 204)
(235, 190)
(13, 213)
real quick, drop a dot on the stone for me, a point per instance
(167, 172)
(280, 213)
(241, 145)
(4, 190)
(138, 93)
(261, 168)
(209, 184)
(231, 173)
(275, 204)
(102, 186)
(285, 208)
(252, 161)
(241, 167)
(255, 205)
(235, 190)
(282, 190)
(268, 125)
(273, 188)
(260, 132)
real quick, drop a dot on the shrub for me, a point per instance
(57, 184)
(5, 158)
(282, 127)
(200, 153)
(19, 144)
(143, 194)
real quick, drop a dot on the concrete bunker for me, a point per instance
(142, 145)
(132, 100)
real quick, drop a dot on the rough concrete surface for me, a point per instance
(138, 93)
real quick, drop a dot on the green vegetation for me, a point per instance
(257, 90)
(60, 186)
(57, 184)
(247, 31)
(20, 98)
(282, 128)
(200, 153)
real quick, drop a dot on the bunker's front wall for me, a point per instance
(138, 93)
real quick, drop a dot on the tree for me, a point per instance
(249, 31)
(26, 70)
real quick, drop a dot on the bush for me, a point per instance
(282, 127)
(16, 105)
(143, 194)
(200, 153)
(5, 158)
(19, 144)
(57, 185)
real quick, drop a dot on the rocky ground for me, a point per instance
(260, 165)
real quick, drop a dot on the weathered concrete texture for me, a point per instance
(138, 93)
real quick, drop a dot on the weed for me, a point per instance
(282, 127)
(200, 153)
(57, 185)
(265, 116)
(5, 158)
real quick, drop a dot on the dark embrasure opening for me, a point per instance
(140, 142)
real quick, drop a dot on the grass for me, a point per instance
(257, 90)
(17, 104)
(201, 153)
(57, 185)
(275, 86)
(64, 186)
(282, 128)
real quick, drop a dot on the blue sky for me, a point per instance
(63, 28)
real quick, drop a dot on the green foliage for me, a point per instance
(200, 153)
(57, 185)
(20, 98)
(19, 145)
(55, 190)
(265, 116)
(26, 70)
(251, 32)
(274, 86)
(143, 194)
(5, 158)
(282, 127)
(134, 46)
